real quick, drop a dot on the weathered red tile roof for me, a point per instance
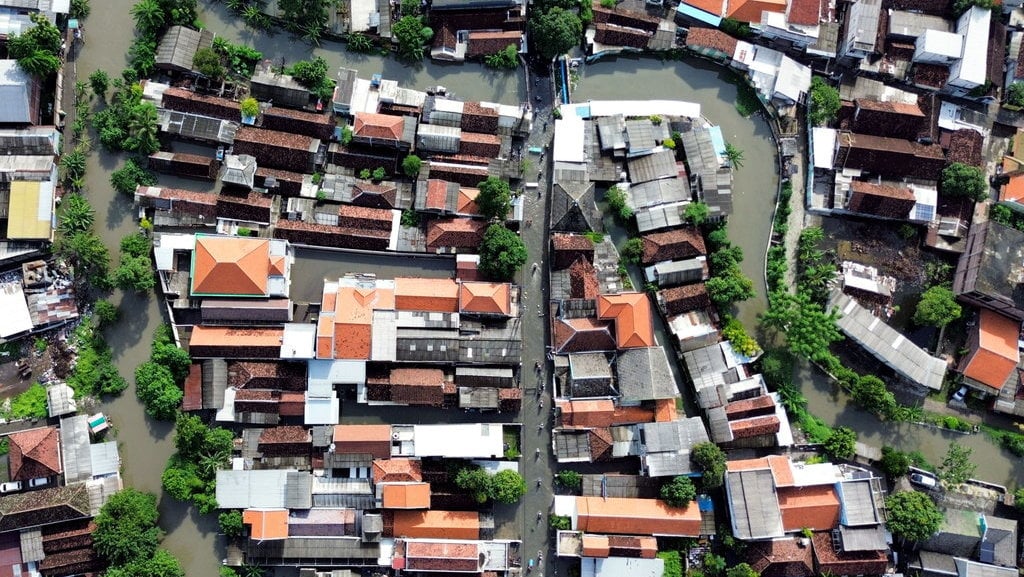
(676, 244)
(965, 145)
(583, 283)
(623, 17)
(582, 335)
(289, 434)
(487, 43)
(565, 241)
(613, 35)
(804, 12)
(397, 471)
(755, 427)
(267, 375)
(834, 562)
(383, 126)
(881, 199)
(930, 75)
(712, 38)
(893, 107)
(780, 558)
(462, 233)
(476, 144)
(815, 507)
(352, 216)
(34, 453)
(682, 299)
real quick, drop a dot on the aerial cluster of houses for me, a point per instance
(296, 173)
(366, 496)
(56, 478)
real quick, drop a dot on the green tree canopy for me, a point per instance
(741, 570)
(412, 36)
(105, 313)
(959, 179)
(730, 287)
(633, 251)
(937, 307)
(130, 176)
(230, 523)
(37, 49)
(181, 483)
(616, 199)
(912, 515)
(250, 107)
(505, 59)
(494, 199)
(126, 529)
(809, 329)
(76, 215)
(411, 165)
(88, 254)
(956, 467)
(825, 102)
(895, 463)
(475, 481)
(842, 443)
(570, 479)
(710, 460)
(161, 564)
(208, 63)
(1015, 94)
(149, 16)
(136, 244)
(174, 358)
(506, 486)
(100, 82)
(502, 253)
(697, 213)
(134, 273)
(556, 31)
(678, 492)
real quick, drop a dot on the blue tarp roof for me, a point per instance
(698, 14)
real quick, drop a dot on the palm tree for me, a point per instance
(76, 215)
(142, 129)
(39, 64)
(149, 15)
(73, 165)
(734, 155)
(236, 5)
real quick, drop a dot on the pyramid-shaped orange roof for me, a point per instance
(34, 453)
(467, 201)
(632, 315)
(230, 266)
(373, 125)
(485, 298)
(750, 10)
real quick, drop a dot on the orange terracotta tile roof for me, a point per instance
(635, 517)
(347, 333)
(406, 496)
(34, 453)
(596, 546)
(1013, 190)
(714, 7)
(266, 524)
(586, 413)
(996, 356)
(224, 265)
(632, 315)
(460, 233)
(416, 376)
(750, 10)
(427, 294)
(362, 433)
(815, 507)
(277, 265)
(485, 297)
(437, 194)
(780, 467)
(203, 335)
(467, 201)
(397, 471)
(804, 12)
(619, 546)
(435, 524)
(665, 410)
(384, 126)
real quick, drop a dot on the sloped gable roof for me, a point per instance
(397, 471)
(996, 356)
(750, 10)
(34, 453)
(230, 266)
(485, 297)
(384, 126)
(632, 315)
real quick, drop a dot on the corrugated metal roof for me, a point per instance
(104, 458)
(14, 93)
(74, 448)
